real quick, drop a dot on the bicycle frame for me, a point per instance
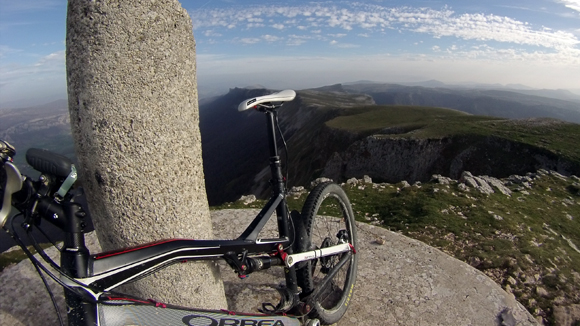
(106, 271)
(88, 279)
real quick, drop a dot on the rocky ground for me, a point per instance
(521, 231)
(547, 284)
(400, 281)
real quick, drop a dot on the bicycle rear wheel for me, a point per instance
(327, 220)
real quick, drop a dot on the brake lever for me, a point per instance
(7, 151)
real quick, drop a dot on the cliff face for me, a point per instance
(389, 160)
(395, 159)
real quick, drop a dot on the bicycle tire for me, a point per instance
(320, 226)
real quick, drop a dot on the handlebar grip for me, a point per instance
(49, 162)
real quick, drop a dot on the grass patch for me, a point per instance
(558, 137)
(528, 237)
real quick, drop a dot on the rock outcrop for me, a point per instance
(386, 159)
(400, 281)
(394, 159)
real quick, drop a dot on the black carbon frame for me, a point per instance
(99, 273)
(110, 269)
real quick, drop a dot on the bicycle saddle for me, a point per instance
(283, 96)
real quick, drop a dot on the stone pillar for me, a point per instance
(132, 93)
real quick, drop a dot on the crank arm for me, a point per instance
(293, 259)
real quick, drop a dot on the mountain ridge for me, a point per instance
(312, 142)
(229, 136)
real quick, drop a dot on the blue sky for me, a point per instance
(301, 44)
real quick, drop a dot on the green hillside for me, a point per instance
(561, 138)
(528, 242)
(370, 119)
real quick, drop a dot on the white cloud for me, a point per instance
(488, 54)
(46, 77)
(343, 45)
(490, 27)
(9, 6)
(51, 60)
(253, 25)
(295, 40)
(347, 45)
(249, 40)
(271, 38)
(211, 33)
(572, 4)
(6, 50)
(374, 18)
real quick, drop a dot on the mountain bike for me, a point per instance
(315, 247)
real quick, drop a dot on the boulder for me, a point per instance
(319, 181)
(476, 182)
(567, 315)
(498, 184)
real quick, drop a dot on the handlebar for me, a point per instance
(35, 199)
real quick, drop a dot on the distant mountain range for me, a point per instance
(512, 104)
(43, 126)
(321, 138)
(560, 94)
(234, 144)
(341, 131)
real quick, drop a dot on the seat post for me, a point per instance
(271, 120)
(278, 187)
(275, 163)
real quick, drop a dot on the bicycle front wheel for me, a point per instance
(327, 220)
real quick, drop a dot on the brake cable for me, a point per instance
(36, 264)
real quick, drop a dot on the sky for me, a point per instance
(302, 44)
